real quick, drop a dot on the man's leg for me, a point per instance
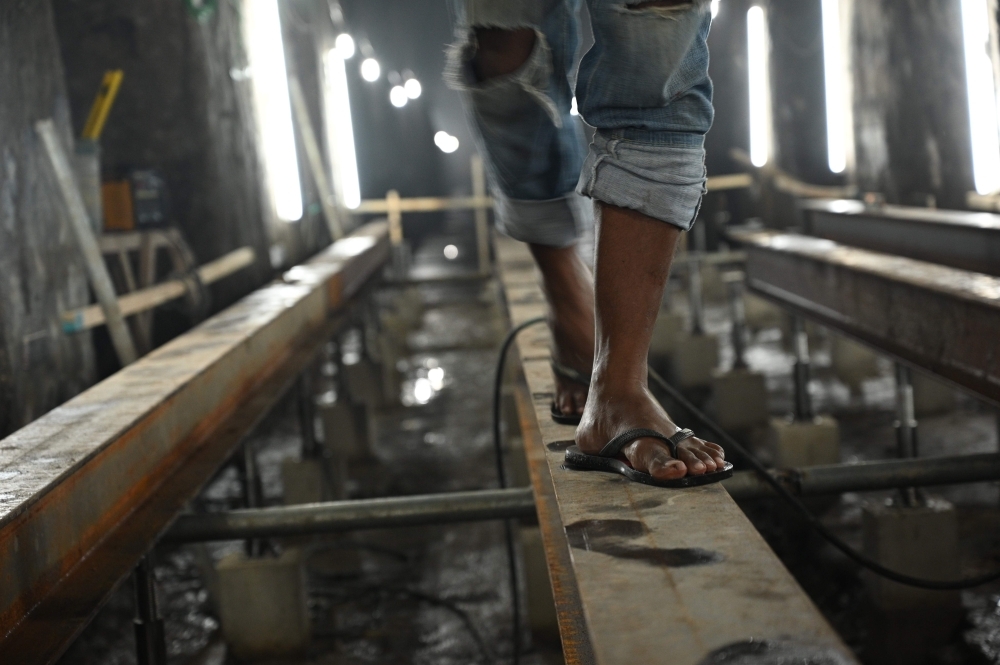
(650, 98)
(566, 279)
(511, 65)
(633, 262)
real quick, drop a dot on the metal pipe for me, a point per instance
(870, 476)
(738, 316)
(338, 516)
(906, 427)
(803, 403)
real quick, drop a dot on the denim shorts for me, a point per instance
(643, 86)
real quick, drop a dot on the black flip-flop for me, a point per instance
(611, 460)
(576, 377)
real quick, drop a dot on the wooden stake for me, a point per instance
(87, 243)
(395, 213)
(482, 228)
(311, 145)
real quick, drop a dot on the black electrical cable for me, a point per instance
(515, 595)
(729, 442)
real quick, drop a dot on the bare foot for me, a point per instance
(614, 411)
(569, 290)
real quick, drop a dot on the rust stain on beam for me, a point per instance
(932, 316)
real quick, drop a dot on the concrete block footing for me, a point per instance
(739, 400)
(669, 328)
(762, 314)
(695, 360)
(931, 397)
(790, 444)
(909, 624)
(363, 380)
(262, 605)
(917, 540)
(345, 431)
(852, 363)
(312, 480)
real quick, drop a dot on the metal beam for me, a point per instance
(339, 516)
(937, 318)
(643, 574)
(407, 511)
(964, 240)
(869, 476)
(90, 486)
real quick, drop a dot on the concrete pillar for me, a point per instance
(43, 274)
(262, 605)
(911, 116)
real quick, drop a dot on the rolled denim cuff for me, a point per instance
(662, 176)
(554, 222)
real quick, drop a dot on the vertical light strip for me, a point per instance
(983, 117)
(760, 88)
(340, 131)
(833, 66)
(266, 52)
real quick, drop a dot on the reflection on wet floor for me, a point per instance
(440, 595)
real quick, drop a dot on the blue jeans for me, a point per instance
(644, 86)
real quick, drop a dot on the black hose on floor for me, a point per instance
(515, 594)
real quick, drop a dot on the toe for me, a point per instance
(651, 456)
(694, 465)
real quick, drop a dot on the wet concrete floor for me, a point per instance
(440, 594)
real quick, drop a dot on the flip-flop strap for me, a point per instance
(614, 447)
(570, 374)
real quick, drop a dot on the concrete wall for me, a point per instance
(910, 106)
(40, 273)
(185, 108)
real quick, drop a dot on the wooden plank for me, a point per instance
(316, 168)
(82, 231)
(662, 576)
(86, 318)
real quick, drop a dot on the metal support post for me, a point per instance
(738, 316)
(250, 476)
(150, 642)
(906, 426)
(307, 415)
(480, 215)
(803, 403)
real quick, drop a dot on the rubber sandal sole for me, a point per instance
(580, 461)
